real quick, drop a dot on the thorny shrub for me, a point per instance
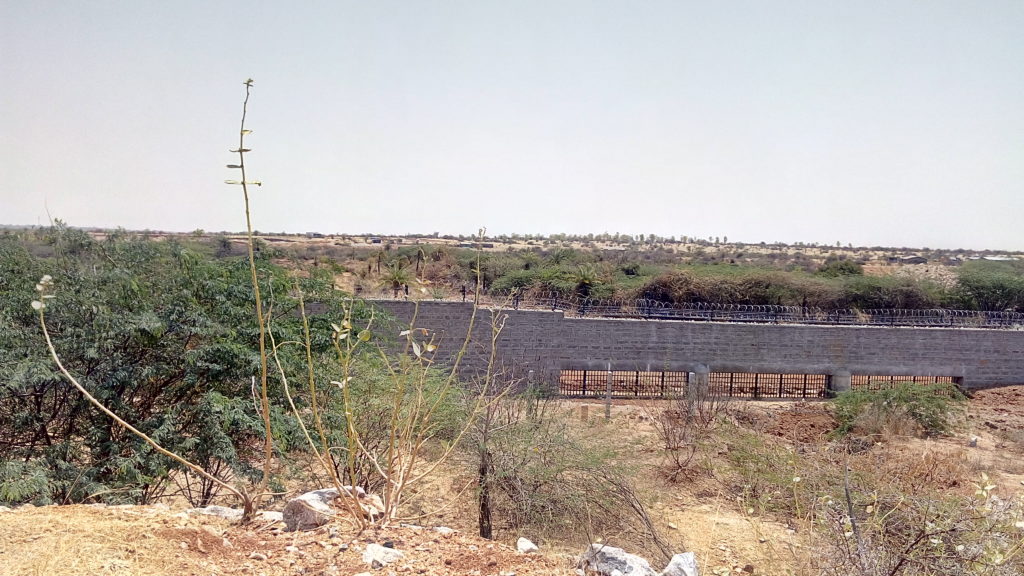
(554, 479)
(686, 424)
(898, 410)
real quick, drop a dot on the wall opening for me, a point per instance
(768, 385)
(868, 382)
(625, 383)
(755, 385)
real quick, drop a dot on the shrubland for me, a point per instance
(163, 333)
(157, 331)
(832, 283)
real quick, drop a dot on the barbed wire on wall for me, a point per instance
(753, 313)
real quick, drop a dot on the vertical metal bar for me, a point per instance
(608, 395)
(636, 384)
(585, 382)
(732, 377)
(804, 393)
(662, 383)
(780, 385)
(757, 385)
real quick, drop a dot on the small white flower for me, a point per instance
(37, 305)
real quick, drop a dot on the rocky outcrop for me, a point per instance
(610, 561)
(316, 508)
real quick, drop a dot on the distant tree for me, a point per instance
(396, 276)
(836, 266)
(585, 278)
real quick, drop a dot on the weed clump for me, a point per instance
(904, 409)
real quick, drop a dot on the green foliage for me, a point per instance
(773, 287)
(834, 266)
(933, 407)
(992, 285)
(24, 482)
(162, 335)
(376, 388)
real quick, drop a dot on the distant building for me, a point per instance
(914, 260)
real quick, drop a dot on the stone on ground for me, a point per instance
(682, 565)
(310, 510)
(379, 556)
(316, 508)
(525, 546)
(608, 560)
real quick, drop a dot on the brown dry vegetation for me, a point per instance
(730, 531)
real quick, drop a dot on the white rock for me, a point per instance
(219, 511)
(4, 509)
(525, 546)
(607, 560)
(316, 508)
(271, 516)
(310, 510)
(444, 530)
(682, 565)
(377, 556)
(235, 513)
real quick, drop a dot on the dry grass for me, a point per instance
(724, 533)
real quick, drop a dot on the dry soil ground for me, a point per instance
(696, 515)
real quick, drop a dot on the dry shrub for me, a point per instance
(885, 423)
(914, 469)
(893, 534)
(686, 425)
(553, 480)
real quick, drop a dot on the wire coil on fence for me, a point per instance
(756, 313)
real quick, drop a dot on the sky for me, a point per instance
(890, 123)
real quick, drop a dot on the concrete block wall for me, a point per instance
(546, 342)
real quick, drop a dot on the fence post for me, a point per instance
(608, 395)
(701, 383)
(839, 382)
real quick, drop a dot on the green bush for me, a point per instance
(932, 407)
(161, 334)
(836, 266)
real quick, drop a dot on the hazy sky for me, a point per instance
(892, 123)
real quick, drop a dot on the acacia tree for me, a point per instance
(153, 331)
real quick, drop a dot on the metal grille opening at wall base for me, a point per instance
(768, 385)
(624, 384)
(754, 385)
(865, 381)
